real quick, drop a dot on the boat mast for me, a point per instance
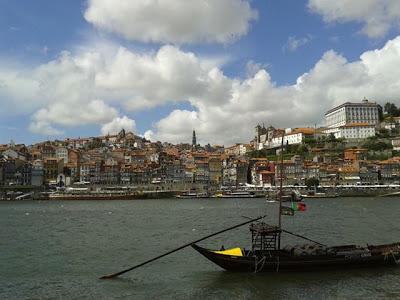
(280, 194)
(281, 185)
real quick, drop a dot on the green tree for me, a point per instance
(391, 110)
(310, 141)
(376, 145)
(95, 143)
(384, 133)
(380, 113)
(312, 182)
(302, 149)
(331, 138)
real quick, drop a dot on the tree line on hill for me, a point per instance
(391, 110)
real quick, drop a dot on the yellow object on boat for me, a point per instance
(232, 252)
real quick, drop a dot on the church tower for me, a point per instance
(194, 143)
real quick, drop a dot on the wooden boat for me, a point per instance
(267, 256)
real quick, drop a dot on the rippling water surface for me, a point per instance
(58, 249)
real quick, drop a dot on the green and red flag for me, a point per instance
(298, 206)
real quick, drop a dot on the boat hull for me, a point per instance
(281, 261)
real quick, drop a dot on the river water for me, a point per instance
(57, 250)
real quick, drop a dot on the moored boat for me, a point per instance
(237, 194)
(285, 196)
(266, 255)
(192, 195)
(320, 195)
(92, 196)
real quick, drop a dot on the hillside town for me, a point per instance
(359, 145)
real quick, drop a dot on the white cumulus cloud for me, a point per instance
(96, 86)
(117, 124)
(293, 43)
(332, 81)
(84, 88)
(44, 128)
(173, 21)
(377, 16)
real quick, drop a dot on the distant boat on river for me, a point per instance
(237, 194)
(320, 195)
(193, 195)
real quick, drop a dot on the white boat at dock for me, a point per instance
(320, 195)
(192, 195)
(237, 194)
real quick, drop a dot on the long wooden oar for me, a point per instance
(179, 248)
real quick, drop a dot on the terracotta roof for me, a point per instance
(304, 130)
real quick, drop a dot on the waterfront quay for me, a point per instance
(172, 191)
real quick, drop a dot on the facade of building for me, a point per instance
(62, 153)
(237, 149)
(202, 174)
(262, 172)
(110, 173)
(48, 151)
(364, 112)
(52, 167)
(215, 170)
(293, 136)
(389, 171)
(24, 174)
(355, 131)
(37, 174)
(396, 144)
(9, 169)
(352, 120)
(175, 172)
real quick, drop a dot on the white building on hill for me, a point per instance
(352, 120)
(293, 136)
(355, 131)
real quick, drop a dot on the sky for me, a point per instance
(162, 68)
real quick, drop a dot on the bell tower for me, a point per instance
(194, 142)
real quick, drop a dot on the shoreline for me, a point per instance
(152, 196)
(121, 194)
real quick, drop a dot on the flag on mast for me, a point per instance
(298, 206)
